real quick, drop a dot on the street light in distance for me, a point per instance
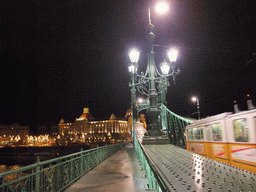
(195, 99)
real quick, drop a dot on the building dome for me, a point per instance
(86, 116)
(113, 117)
(61, 121)
(128, 113)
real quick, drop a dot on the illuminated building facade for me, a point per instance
(13, 134)
(85, 129)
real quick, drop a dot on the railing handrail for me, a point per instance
(78, 163)
(154, 170)
(150, 164)
(178, 116)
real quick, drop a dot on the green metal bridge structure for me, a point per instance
(168, 167)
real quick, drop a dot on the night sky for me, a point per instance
(57, 57)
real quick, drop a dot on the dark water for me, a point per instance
(28, 155)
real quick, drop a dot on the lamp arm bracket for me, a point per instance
(161, 77)
(158, 71)
(140, 83)
(142, 91)
(163, 83)
(168, 75)
(142, 76)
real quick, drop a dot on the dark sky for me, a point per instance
(60, 56)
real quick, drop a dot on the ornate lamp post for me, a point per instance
(195, 99)
(153, 84)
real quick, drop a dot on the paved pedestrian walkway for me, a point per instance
(118, 173)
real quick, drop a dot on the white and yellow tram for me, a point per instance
(227, 137)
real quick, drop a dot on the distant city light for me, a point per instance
(194, 99)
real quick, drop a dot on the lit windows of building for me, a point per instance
(93, 129)
(13, 134)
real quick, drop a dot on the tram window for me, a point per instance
(201, 131)
(190, 134)
(241, 130)
(208, 133)
(255, 126)
(198, 133)
(217, 132)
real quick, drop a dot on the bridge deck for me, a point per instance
(119, 172)
(183, 170)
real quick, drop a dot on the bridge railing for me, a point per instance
(55, 174)
(174, 125)
(154, 182)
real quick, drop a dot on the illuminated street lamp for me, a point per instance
(140, 100)
(195, 99)
(153, 83)
(162, 8)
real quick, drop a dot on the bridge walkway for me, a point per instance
(119, 172)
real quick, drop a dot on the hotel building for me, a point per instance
(85, 129)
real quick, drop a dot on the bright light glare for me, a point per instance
(194, 99)
(132, 69)
(134, 55)
(140, 100)
(172, 55)
(162, 8)
(165, 67)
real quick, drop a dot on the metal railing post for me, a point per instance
(81, 162)
(98, 155)
(37, 185)
(70, 170)
(58, 176)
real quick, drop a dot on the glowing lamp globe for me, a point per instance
(194, 99)
(161, 8)
(132, 69)
(165, 68)
(140, 100)
(172, 55)
(134, 56)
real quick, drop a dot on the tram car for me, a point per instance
(227, 137)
